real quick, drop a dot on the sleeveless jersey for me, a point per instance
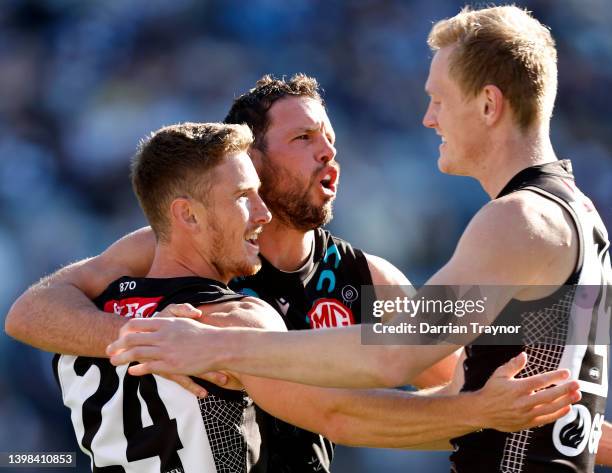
(571, 442)
(325, 292)
(148, 424)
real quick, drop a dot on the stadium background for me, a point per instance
(82, 82)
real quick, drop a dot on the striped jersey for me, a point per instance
(138, 424)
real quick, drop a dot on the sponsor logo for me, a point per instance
(575, 431)
(137, 307)
(327, 313)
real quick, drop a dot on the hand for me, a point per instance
(223, 379)
(509, 404)
(180, 310)
(166, 345)
(187, 383)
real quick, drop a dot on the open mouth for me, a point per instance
(329, 181)
(252, 238)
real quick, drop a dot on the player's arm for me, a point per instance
(386, 274)
(398, 419)
(389, 418)
(507, 244)
(604, 451)
(57, 315)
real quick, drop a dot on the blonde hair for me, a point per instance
(506, 47)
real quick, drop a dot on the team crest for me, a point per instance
(327, 313)
(571, 432)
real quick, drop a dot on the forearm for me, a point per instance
(332, 357)
(439, 374)
(61, 319)
(397, 419)
(604, 451)
(384, 418)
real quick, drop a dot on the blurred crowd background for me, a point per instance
(82, 82)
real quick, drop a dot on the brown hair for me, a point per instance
(176, 161)
(252, 108)
(503, 46)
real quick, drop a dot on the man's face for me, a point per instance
(297, 169)
(234, 216)
(454, 117)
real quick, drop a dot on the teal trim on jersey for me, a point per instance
(248, 292)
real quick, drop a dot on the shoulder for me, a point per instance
(382, 271)
(523, 218)
(329, 241)
(246, 312)
(385, 273)
(523, 238)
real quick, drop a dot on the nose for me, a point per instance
(327, 152)
(261, 214)
(429, 120)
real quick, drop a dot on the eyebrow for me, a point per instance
(308, 129)
(311, 129)
(248, 188)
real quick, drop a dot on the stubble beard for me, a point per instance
(223, 258)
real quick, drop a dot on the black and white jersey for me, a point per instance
(325, 292)
(148, 424)
(569, 444)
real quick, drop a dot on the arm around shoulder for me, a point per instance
(57, 315)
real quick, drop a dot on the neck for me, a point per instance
(285, 247)
(509, 153)
(173, 260)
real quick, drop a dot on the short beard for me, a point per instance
(288, 202)
(227, 268)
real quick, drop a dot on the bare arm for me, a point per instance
(57, 315)
(386, 418)
(399, 419)
(386, 274)
(491, 251)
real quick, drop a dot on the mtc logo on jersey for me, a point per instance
(326, 313)
(137, 307)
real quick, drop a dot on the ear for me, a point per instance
(492, 104)
(183, 215)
